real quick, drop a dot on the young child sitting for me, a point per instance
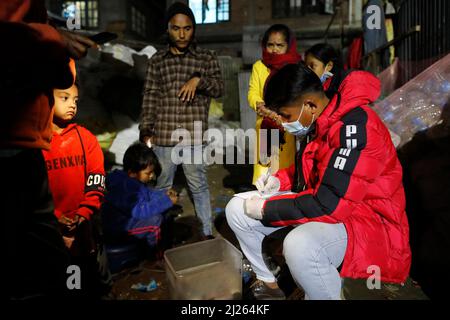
(131, 208)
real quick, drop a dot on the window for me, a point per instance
(294, 8)
(138, 22)
(87, 10)
(210, 11)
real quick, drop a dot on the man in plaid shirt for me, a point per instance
(181, 80)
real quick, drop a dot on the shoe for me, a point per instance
(208, 237)
(175, 211)
(342, 294)
(262, 292)
(109, 296)
(271, 264)
(159, 265)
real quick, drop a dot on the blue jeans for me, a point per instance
(313, 251)
(196, 179)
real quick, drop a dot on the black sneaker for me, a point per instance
(262, 292)
(208, 237)
(271, 264)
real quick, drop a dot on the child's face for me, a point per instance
(143, 176)
(66, 103)
(317, 66)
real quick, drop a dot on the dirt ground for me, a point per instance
(224, 181)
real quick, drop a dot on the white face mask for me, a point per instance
(325, 76)
(296, 128)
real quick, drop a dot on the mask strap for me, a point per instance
(312, 120)
(303, 106)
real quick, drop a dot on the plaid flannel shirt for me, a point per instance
(162, 111)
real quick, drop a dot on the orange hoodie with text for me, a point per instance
(76, 172)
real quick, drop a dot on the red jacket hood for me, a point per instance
(67, 129)
(359, 88)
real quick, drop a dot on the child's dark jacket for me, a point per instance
(128, 200)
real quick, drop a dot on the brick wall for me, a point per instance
(226, 37)
(241, 15)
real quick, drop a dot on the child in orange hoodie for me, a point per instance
(77, 181)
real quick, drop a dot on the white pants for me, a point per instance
(313, 251)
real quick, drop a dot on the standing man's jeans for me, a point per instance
(196, 179)
(313, 251)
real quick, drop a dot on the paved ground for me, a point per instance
(223, 182)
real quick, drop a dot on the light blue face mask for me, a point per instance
(296, 128)
(325, 76)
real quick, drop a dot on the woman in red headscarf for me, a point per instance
(279, 47)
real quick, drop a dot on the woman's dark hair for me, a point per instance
(138, 157)
(289, 83)
(281, 28)
(326, 53)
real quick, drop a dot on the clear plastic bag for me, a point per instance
(418, 104)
